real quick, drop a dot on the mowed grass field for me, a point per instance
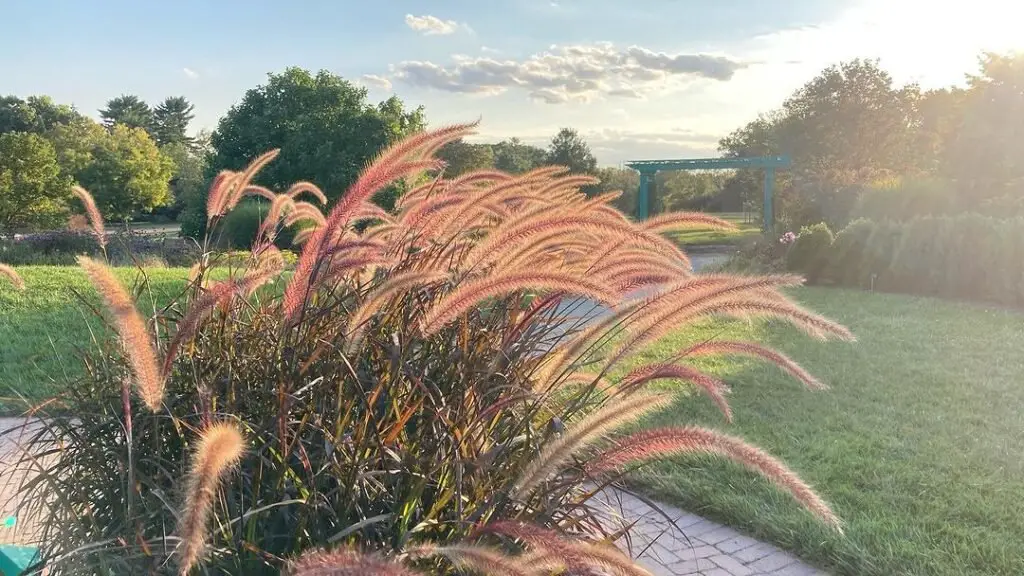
(747, 227)
(917, 445)
(43, 327)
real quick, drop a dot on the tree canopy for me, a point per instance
(128, 110)
(569, 149)
(171, 119)
(128, 173)
(323, 124)
(32, 191)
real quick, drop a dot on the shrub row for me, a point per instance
(968, 256)
(60, 247)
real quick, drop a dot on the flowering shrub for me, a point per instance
(425, 385)
(787, 238)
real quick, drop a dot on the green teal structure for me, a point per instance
(14, 560)
(648, 168)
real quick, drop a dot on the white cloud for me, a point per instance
(190, 73)
(569, 73)
(431, 25)
(375, 81)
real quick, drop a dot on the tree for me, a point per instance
(32, 191)
(74, 143)
(625, 180)
(323, 124)
(847, 126)
(515, 157)
(171, 119)
(128, 173)
(188, 176)
(36, 114)
(127, 110)
(985, 149)
(463, 157)
(569, 149)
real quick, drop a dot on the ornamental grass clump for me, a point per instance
(426, 391)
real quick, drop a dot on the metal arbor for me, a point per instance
(648, 168)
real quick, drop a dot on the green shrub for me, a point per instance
(61, 247)
(809, 254)
(758, 255)
(398, 387)
(968, 256)
(876, 265)
(905, 199)
(846, 259)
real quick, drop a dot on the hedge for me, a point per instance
(968, 256)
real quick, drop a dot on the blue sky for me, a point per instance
(639, 78)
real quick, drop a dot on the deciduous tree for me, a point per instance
(32, 191)
(128, 173)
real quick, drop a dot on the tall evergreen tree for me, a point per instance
(171, 119)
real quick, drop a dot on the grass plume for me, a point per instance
(93, 213)
(12, 276)
(343, 562)
(589, 430)
(663, 442)
(220, 447)
(131, 328)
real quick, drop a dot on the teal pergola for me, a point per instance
(648, 168)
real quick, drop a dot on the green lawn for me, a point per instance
(747, 228)
(43, 327)
(917, 445)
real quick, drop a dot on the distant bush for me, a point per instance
(240, 226)
(846, 260)
(969, 257)
(875, 269)
(809, 254)
(758, 255)
(61, 247)
(905, 199)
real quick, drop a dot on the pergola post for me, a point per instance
(769, 212)
(643, 197)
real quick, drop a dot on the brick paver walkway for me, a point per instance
(694, 545)
(688, 545)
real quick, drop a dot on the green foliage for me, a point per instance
(188, 178)
(847, 256)
(325, 128)
(625, 180)
(569, 149)
(127, 110)
(700, 191)
(128, 173)
(968, 256)
(75, 143)
(462, 157)
(35, 114)
(60, 247)
(32, 191)
(810, 251)
(906, 198)
(238, 229)
(170, 121)
(985, 153)
(515, 157)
